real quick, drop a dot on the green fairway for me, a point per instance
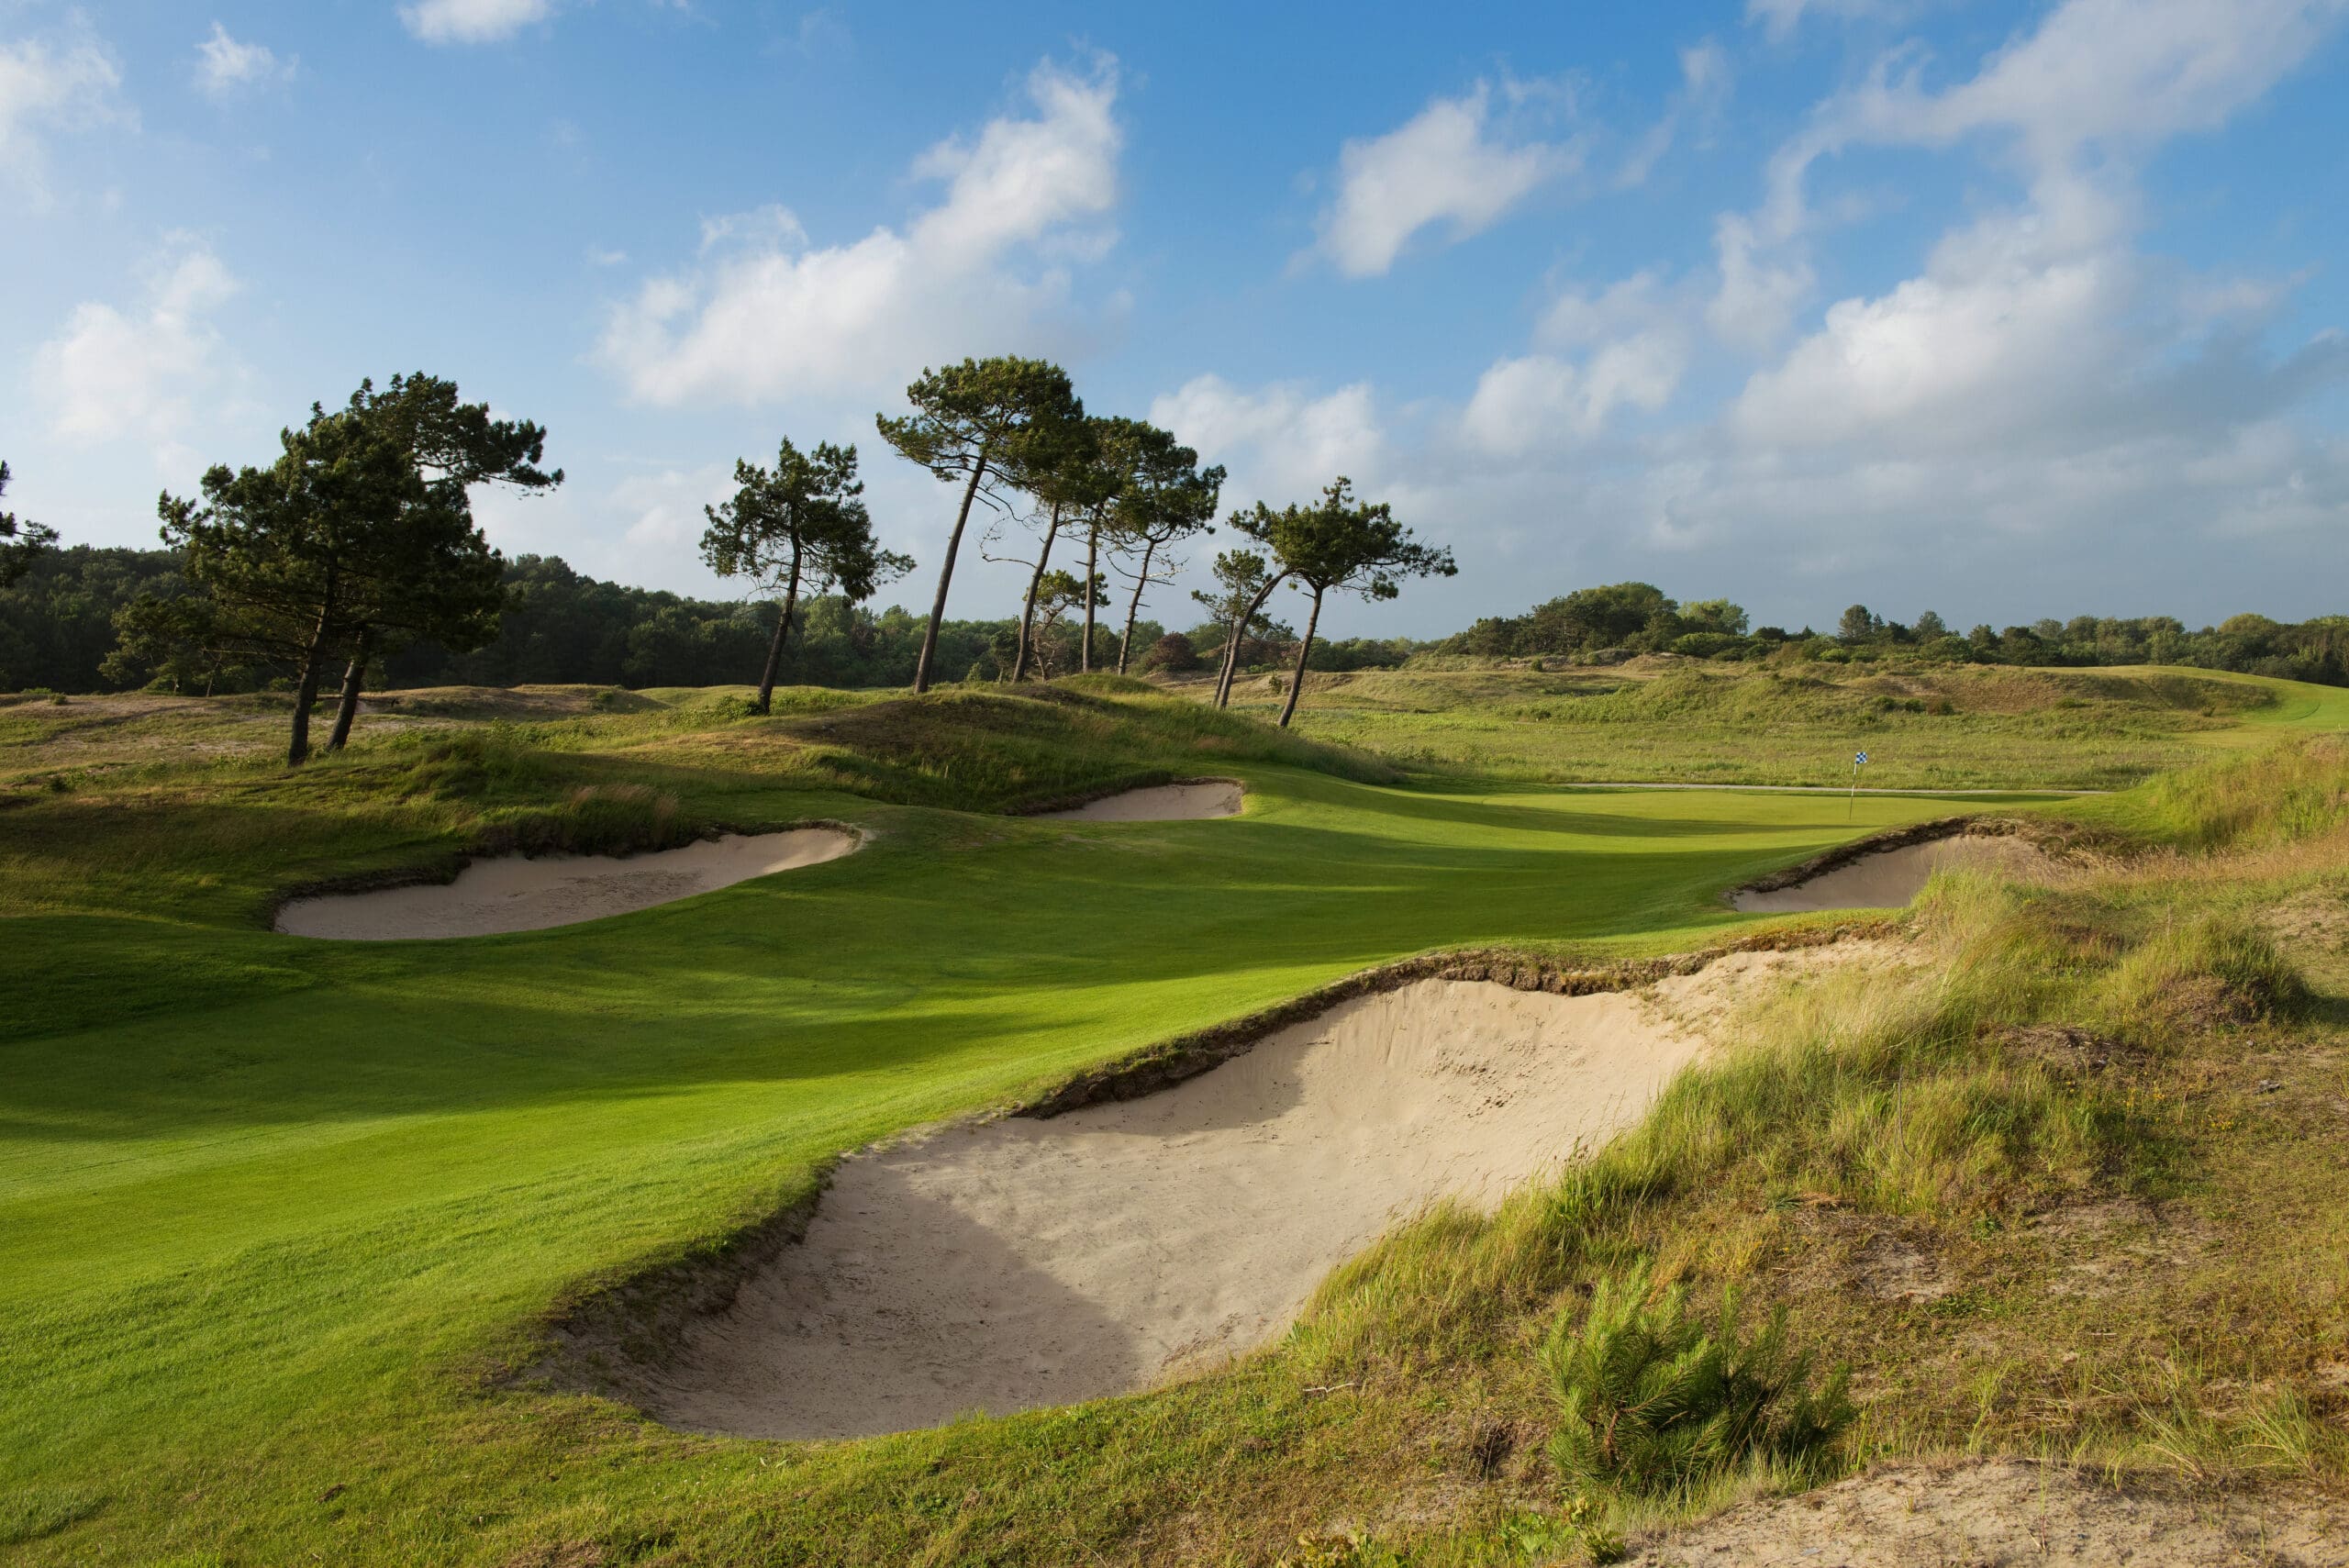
(273, 1210)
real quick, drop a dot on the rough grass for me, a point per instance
(2059, 1187)
(1683, 720)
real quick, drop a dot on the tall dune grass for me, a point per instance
(2028, 1049)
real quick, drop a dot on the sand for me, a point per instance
(1991, 1513)
(1890, 879)
(1191, 802)
(518, 895)
(1024, 1262)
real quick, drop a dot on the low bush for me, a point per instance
(1707, 644)
(1651, 1398)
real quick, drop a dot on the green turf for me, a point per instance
(270, 1209)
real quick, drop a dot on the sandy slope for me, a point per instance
(1026, 1263)
(517, 895)
(1891, 878)
(1992, 1513)
(1161, 803)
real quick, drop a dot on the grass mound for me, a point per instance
(1692, 722)
(2294, 791)
(982, 747)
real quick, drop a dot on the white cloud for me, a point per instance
(1982, 347)
(2038, 376)
(225, 67)
(1636, 346)
(1522, 405)
(2095, 81)
(1639, 302)
(2110, 76)
(2109, 70)
(1281, 443)
(1780, 18)
(1025, 178)
(2027, 322)
(62, 84)
(1439, 167)
(110, 373)
(766, 314)
(473, 21)
(1754, 306)
(1705, 81)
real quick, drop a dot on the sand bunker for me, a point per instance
(517, 895)
(1188, 802)
(1890, 879)
(1026, 1263)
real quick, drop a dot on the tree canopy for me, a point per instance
(1164, 496)
(801, 525)
(991, 425)
(1340, 544)
(19, 542)
(357, 539)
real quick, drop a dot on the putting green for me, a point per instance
(269, 1206)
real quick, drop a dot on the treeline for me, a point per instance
(560, 626)
(1623, 619)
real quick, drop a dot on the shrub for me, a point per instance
(1651, 1399)
(1706, 644)
(1173, 653)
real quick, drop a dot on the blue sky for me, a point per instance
(2004, 310)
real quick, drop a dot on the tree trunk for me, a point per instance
(347, 708)
(1304, 652)
(782, 631)
(297, 750)
(1231, 643)
(1092, 564)
(1028, 610)
(1133, 607)
(922, 671)
(1223, 665)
